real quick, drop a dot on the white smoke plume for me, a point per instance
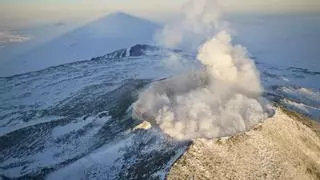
(199, 20)
(222, 98)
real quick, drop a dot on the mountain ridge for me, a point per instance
(133, 51)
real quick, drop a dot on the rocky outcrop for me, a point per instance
(134, 51)
(286, 146)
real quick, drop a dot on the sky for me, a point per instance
(20, 13)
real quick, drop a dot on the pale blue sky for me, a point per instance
(21, 12)
(26, 12)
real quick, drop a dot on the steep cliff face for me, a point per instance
(286, 146)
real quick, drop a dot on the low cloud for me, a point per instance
(11, 37)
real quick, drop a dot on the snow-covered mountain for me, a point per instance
(79, 118)
(74, 121)
(114, 31)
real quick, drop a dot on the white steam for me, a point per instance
(222, 99)
(200, 20)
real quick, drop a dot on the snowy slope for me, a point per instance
(75, 121)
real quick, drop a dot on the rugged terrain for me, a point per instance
(74, 121)
(286, 146)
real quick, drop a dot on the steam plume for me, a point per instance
(200, 20)
(223, 98)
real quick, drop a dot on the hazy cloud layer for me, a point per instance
(11, 37)
(39, 11)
